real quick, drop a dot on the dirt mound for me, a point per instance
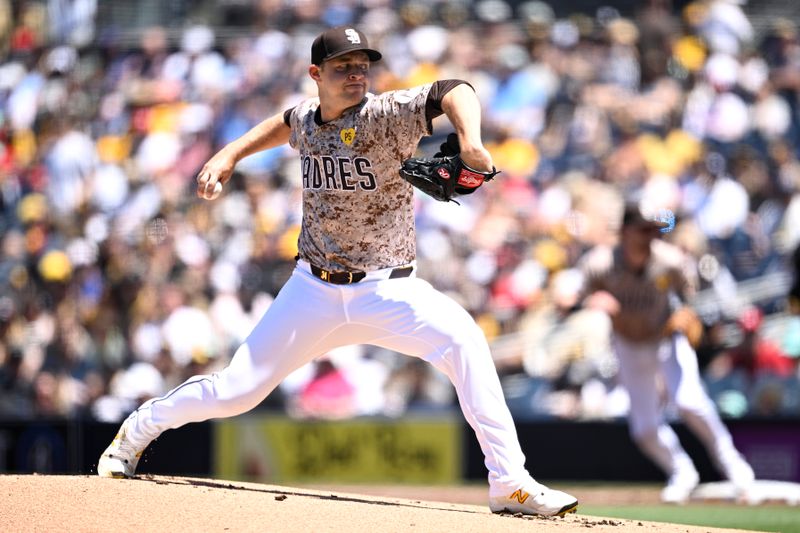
(160, 503)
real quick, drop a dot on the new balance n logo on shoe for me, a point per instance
(519, 495)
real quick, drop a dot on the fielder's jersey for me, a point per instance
(644, 298)
(358, 213)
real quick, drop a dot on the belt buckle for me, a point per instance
(349, 277)
(324, 275)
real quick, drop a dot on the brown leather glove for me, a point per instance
(685, 320)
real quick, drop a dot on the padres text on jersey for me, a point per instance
(338, 173)
(358, 213)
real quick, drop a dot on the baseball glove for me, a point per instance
(684, 320)
(445, 175)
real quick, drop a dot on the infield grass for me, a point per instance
(781, 518)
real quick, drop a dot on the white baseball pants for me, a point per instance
(674, 360)
(310, 317)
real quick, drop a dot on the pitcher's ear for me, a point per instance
(314, 72)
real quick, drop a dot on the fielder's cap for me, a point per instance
(662, 220)
(339, 41)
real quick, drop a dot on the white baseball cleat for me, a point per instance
(740, 473)
(119, 460)
(680, 486)
(742, 477)
(535, 499)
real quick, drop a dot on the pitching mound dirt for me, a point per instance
(158, 503)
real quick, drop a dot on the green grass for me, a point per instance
(760, 518)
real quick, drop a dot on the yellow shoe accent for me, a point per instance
(520, 496)
(570, 510)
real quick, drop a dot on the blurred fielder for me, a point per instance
(643, 285)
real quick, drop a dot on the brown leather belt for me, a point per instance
(346, 278)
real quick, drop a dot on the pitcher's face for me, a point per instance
(344, 79)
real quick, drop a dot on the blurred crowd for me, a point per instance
(117, 283)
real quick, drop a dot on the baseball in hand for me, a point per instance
(212, 193)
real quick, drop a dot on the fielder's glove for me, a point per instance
(684, 320)
(445, 175)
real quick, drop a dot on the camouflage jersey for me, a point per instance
(647, 299)
(358, 213)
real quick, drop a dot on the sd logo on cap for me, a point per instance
(339, 41)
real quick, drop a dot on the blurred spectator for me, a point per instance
(794, 292)
(415, 386)
(328, 395)
(15, 400)
(346, 382)
(753, 354)
(569, 346)
(724, 26)
(559, 334)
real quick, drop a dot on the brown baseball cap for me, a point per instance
(663, 220)
(339, 41)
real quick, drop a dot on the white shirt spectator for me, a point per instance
(71, 163)
(725, 209)
(726, 26)
(187, 331)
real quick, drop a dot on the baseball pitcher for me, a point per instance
(355, 280)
